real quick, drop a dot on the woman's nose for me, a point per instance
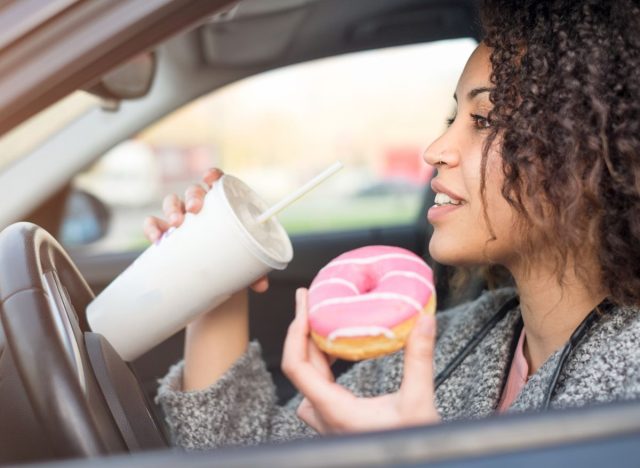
(441, 152)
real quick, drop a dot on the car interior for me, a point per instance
(64, 390)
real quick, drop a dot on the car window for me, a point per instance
(374, 111)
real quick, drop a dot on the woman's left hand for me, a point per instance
(330, 408)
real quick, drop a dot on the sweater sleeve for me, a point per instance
(238, 409)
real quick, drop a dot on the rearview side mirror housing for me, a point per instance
(86, 219)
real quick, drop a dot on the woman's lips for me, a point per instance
(439, 187)
(437, 212)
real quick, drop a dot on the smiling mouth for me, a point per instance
(442, 199)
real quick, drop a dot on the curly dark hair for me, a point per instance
(566, 96)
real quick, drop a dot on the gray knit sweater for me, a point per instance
(240, 408)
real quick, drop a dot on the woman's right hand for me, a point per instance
(175, 209)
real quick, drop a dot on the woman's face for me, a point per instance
(461, 234)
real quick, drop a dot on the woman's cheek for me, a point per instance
(475, 235)
(505, 237)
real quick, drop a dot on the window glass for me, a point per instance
(374, 111)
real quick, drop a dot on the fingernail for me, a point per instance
(174, 218)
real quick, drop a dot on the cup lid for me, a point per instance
(267, 240)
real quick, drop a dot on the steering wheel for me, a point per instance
(64, 392)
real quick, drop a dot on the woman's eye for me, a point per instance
(450, 121)
(480, 122)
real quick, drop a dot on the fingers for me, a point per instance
(328, 407)
(320, 361)
(154, 228)
(261, 285)
(211, 176)
(194, 198)
(315, 384)
(194, 195)
(173, 209)
(295, 344)
(311, 353)
(417, 381)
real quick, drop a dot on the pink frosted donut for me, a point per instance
(364, 302)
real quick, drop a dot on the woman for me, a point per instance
(542, 156)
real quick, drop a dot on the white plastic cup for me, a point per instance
(193, 269)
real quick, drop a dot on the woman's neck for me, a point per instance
(551, 311)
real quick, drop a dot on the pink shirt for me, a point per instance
(517, 378)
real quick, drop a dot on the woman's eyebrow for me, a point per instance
(474, 92)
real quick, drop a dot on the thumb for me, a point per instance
(417, 381)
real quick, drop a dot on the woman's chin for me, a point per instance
(441, 252)
(446, 251)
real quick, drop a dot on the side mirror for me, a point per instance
(86, 219)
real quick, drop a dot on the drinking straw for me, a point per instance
(306, 188)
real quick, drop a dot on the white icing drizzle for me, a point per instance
(367, 297)
(374, 259)
(341, 281)
(350, 332)
(407, 274)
